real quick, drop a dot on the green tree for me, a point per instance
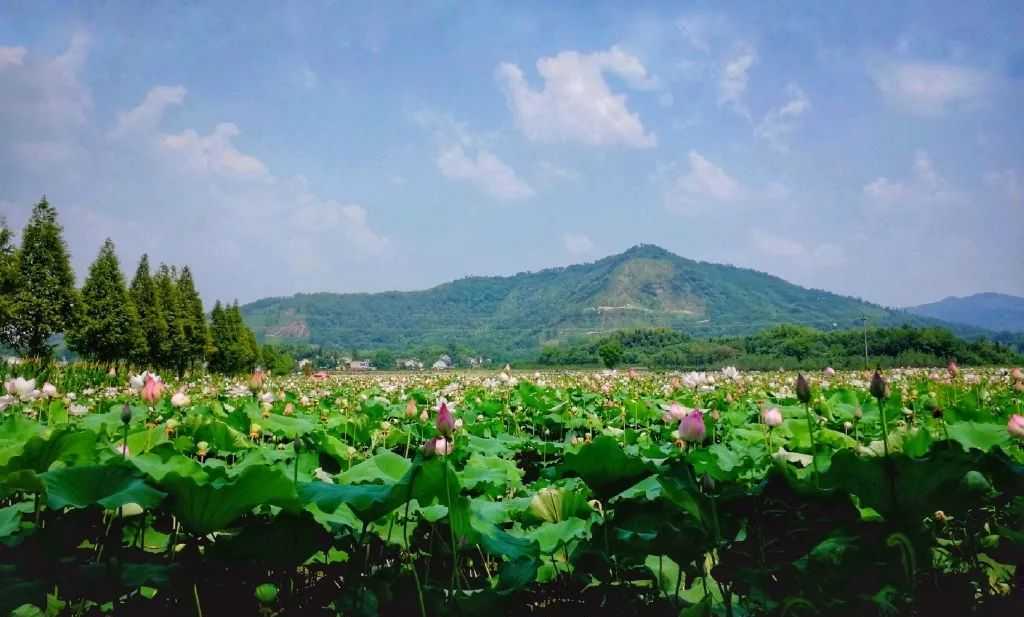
(45, 301)
(151, 314)
(610, 353)
(108, 326)
(176, 345)
(221, 341)
(193, 319)
(248, 348)
(8, 278)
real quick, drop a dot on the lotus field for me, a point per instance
(513, 493)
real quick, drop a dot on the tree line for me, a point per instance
(156, 321)
(784, 346)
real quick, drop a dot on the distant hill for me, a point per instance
(514, 316)
(992, 311)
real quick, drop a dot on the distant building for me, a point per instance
(359, 365)
(441, 365)
(411, 364)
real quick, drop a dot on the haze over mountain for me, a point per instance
(515, 315)
(992, 311)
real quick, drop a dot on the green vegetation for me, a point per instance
(571, 494)
(786, 346)
(992, 311)
(158, 322)
(514, 317)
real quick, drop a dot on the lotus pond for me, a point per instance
(514, 494)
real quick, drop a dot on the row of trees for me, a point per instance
(157, 321)
(784, 346)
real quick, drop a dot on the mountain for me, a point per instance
(992, 311)
(514, 316)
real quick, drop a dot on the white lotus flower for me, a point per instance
(78, 409)
(22, 388)
(49, 390)
(730, 372)
(180, 399)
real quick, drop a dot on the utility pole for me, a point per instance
(865, 320)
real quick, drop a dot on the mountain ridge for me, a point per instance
(644, 286)
(990, 310)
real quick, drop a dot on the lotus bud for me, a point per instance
(126, 414)
(879, 387)
(1016, 426)
(256, 380)
(49, 390)
(423, 416)
(410, 409)
(1017, 374)
(691, 428)
(289, 409)
(953, 369)
(707, 483)
(803, 389)
(152, 390)
(255, 430)
(829, 371)
(445, 423)
(772, 417)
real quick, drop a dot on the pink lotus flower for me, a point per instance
(675, 412)
(438, 447)
(772, 417)
(1015, 427)
(953, 369)
(692, 428)
(829, 371)
(256, 379)
(445, 423)
(152, 390)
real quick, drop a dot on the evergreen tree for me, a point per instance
(108, 327)
(219, 340)
(176, 345)
(45, 301)
(8, 279)
(193, 319)
(151, 314)
(248, 348)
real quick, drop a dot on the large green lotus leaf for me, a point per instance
(110, 486)
(648, 489)
(69, 446)
(145, 440)
(553, 504)
(517, 573)
(978, 435)
(10, 520)
(110, 422)
(368, 501)
(500, 473)
(385, 466)
(286, 541)
(221, 437)
(679, 487)
(165, 460)
(605, 466)
(473, 529)
(15, 430)
(551, 536)
(284, 426)
(212, 506)
(498, 512)
(918, 486)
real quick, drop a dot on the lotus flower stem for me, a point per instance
(814, 447)
(195, 594)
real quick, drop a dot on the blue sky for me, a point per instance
(864, 148)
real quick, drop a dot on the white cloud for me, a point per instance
(11, 56)
(815, 256)
(214, 153)
(577, 244)
(778, 124)
(1009, 182)
(554, 172)
(146, 116)
(486, 171)
(703, 184)
(42, 99)
(320, 216)
(925, 186)
(576, 104)
(929, 88)
(732, 84)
